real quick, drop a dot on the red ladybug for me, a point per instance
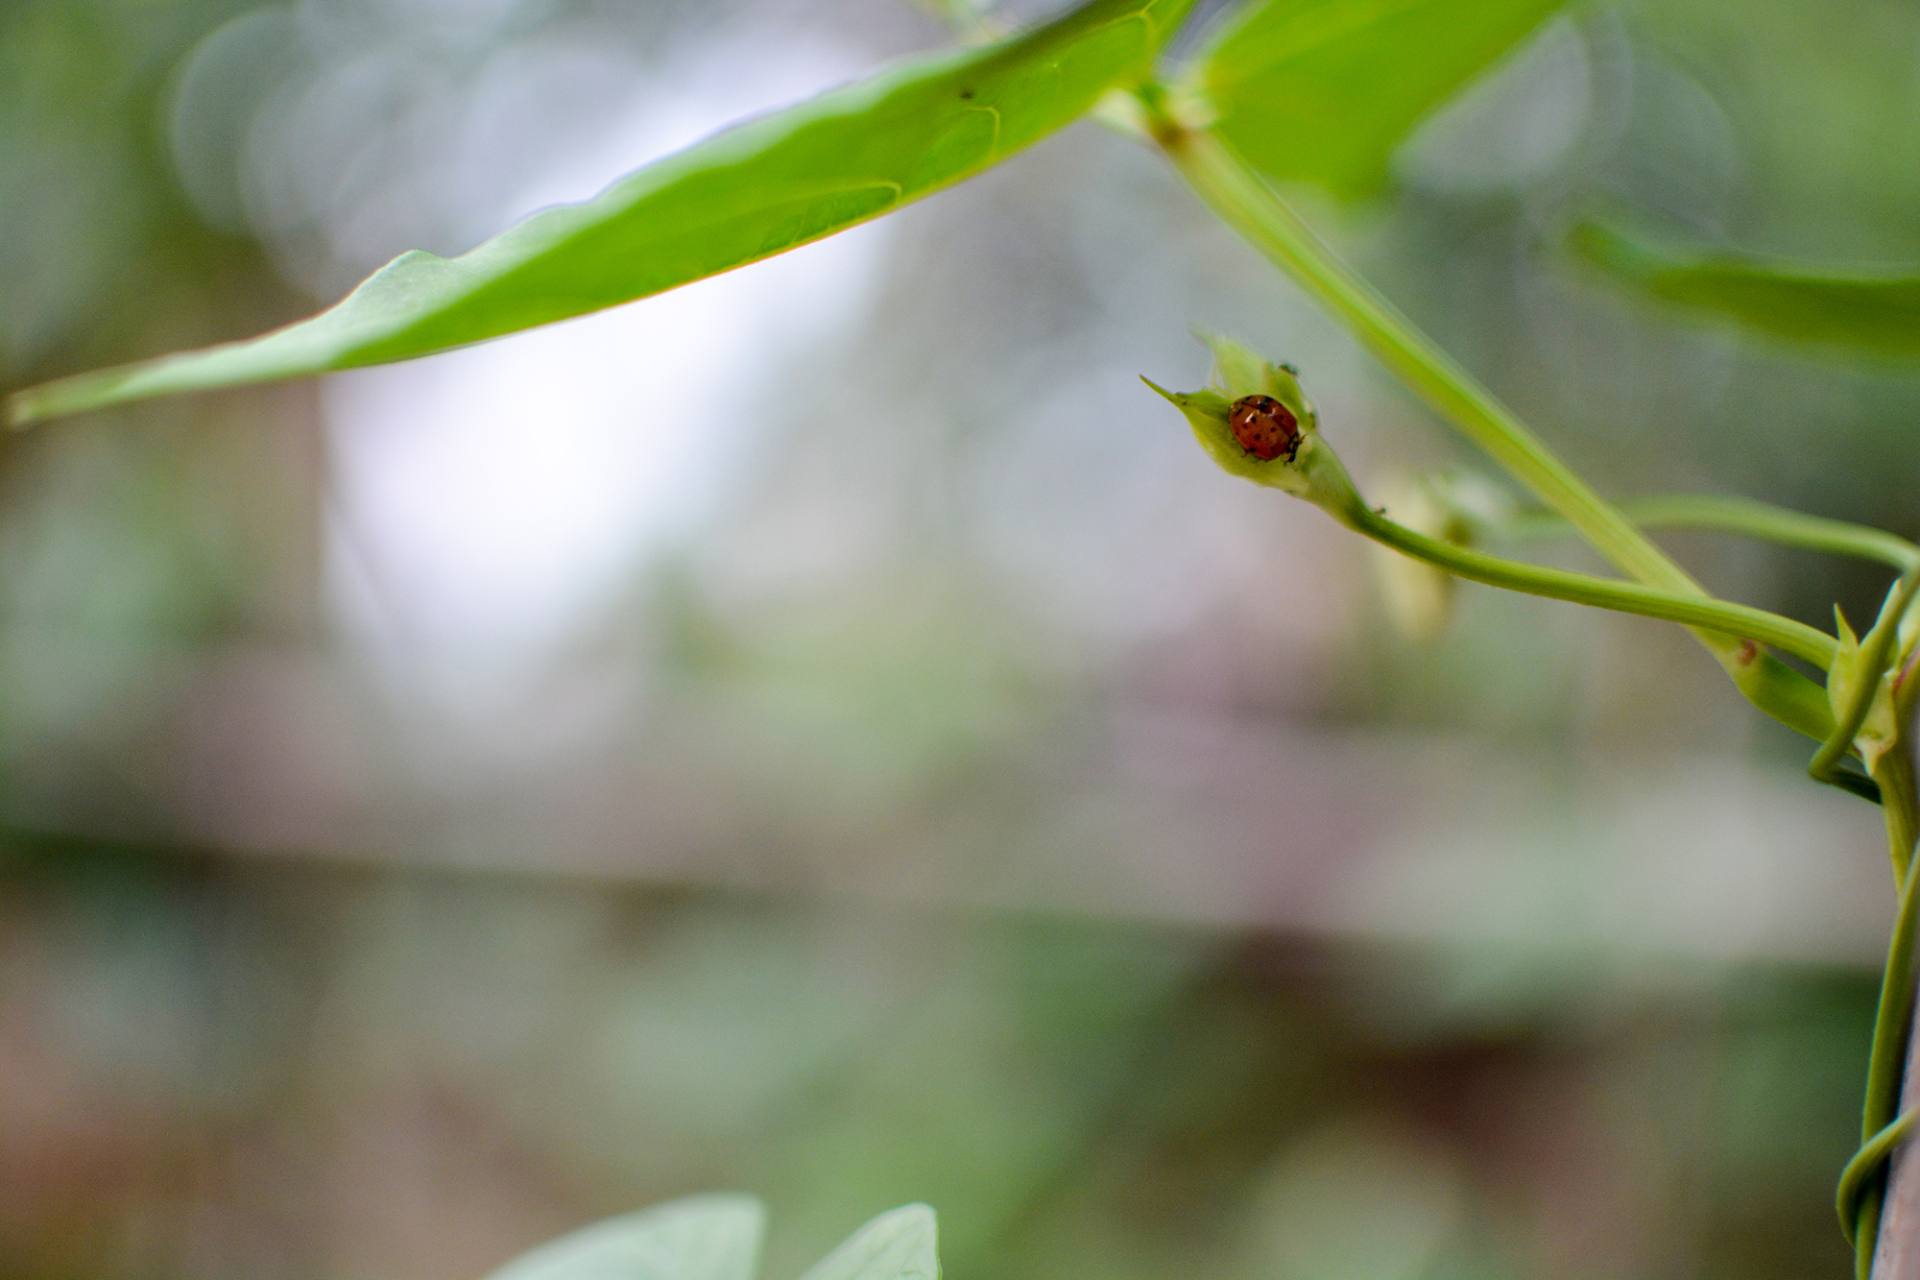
(1265, 428)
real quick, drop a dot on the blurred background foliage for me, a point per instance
(825, 732)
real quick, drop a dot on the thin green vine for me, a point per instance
(1723, 618)
(1870, 695)
(1726, 514)
(1861, 1191)
(1246, 203)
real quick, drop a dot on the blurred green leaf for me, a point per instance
(899, 1245)
(713, 1237)
(1868, 311)
(1324, 90)
(743, 195)
(717, 1237)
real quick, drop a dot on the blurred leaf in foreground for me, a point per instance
(745, 194)
(717, 1237)
(713, 1237)
(1325, 90)
(900, 1245)
(1875, 311)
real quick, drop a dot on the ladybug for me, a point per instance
(1264, 427)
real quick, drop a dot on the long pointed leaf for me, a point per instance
(1875, 311)
(748, 193)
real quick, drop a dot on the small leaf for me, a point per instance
(899, 1245)
(745, 194)
(1875, 311)
(714, 1237)
(1324, 90)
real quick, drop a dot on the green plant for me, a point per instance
(1318, 91)
(718, 1238)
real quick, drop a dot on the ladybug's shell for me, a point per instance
(1264, 427)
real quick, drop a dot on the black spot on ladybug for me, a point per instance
(1264, 427)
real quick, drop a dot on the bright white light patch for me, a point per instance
(487, 500)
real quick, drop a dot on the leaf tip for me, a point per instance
(1171, 397)
(900, 1244)
(16, 413)
(918, 1215)
(722, 1228)
(1604, 243)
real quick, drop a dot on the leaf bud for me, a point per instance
(1256, 422)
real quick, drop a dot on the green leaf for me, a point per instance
(900, 1245)
(1324, 90)
(713, 1237)
(1875, 311)
(745, 194)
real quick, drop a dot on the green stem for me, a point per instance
(1736, 622)
(1743, 516)
(1894, 773)
(1225, 182)
(1906, 691)
(1857, 1178)
(1861, 1191)
(1252, 208)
